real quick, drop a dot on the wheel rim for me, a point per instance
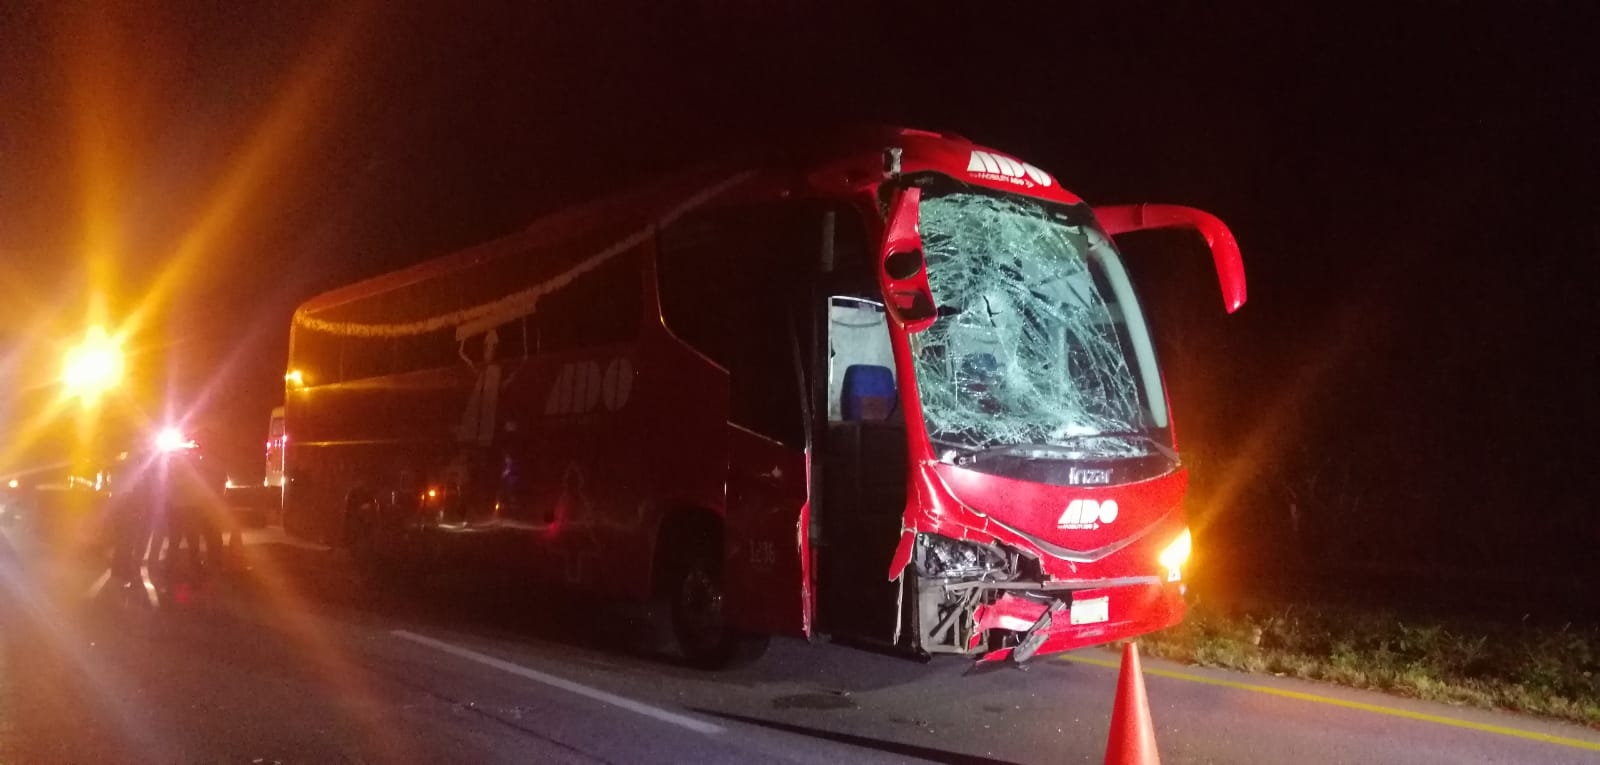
(701, 608)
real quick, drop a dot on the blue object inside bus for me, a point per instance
(869, 393)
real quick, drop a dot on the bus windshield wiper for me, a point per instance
(1068, 445)
(1149, 440)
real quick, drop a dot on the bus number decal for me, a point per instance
(763, 554)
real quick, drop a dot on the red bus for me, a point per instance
(894, 388)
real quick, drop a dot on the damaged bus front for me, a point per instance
(1044, 490)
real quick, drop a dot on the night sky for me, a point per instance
(1413, 188)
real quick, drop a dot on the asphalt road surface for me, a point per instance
(292, 661)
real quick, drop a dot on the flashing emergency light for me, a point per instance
(93, 366)
(172, 439)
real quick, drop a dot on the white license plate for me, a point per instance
(1091, 611)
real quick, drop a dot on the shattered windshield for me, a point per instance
(1039, 344)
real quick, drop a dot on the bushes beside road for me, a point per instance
(1545, 670)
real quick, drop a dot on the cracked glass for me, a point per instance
(1039, 344)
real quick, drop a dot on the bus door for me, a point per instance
(861, 473)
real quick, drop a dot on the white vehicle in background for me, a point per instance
(275, 442)
(260, 504)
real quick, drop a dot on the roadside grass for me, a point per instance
(1548, 671)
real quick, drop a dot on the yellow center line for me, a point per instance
(1375, 708)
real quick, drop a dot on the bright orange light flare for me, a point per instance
(112, 108)
(287, 129)
(94, 366)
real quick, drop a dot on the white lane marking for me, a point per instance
(144, 579)
(682, 721)
(149, 586)
(99, 584)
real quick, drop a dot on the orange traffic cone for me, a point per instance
(1133, 735)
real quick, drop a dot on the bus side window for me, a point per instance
(861, 378)
(429, 350)
(601, 307)
(367, 357)
(514, 343)
(731, 288)
(317, 356)
(859, 359)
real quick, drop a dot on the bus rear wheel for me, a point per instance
(698, 600)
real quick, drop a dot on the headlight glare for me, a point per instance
(1175, 554)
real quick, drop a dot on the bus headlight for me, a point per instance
(1175, 554)
(942, 557)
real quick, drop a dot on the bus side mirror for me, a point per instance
(902, 274)
(1121, 219)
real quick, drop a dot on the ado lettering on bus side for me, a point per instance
(581, 387)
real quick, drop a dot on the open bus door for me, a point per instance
(859, 449)
(862, 475)
(811, 531)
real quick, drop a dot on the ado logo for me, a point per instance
(1088, 514)
(999, 167)
(581, 387)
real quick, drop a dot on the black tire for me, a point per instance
(295, 524)
(696, 599)
(379, 565)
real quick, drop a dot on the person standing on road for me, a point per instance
(138, 524)
(203, 508)
(130, 538)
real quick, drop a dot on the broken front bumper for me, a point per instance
(1067, 620)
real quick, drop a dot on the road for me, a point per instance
(291, 660)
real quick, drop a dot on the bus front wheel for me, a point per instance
(699, 621)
